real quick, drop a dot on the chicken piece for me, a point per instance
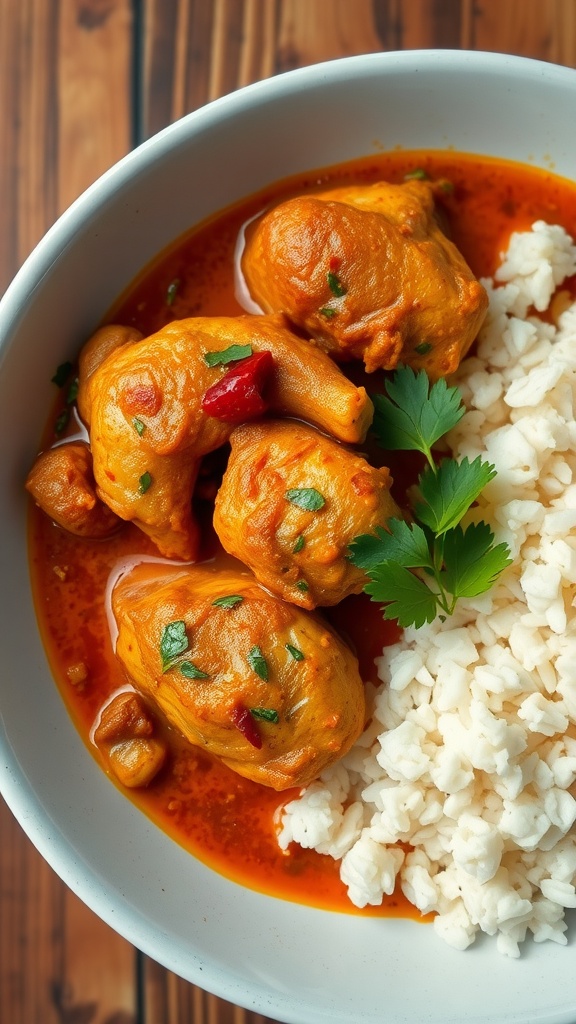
(99, 346)
(62, 484)
(290, 503)
(368, 273)
(266, 687)
(124, 737)
(149, 431)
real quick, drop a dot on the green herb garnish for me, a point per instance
(335, 284)
(258, 663)
(62, 373)
(172, 291)
(418, 174)
(265, 715)
(62, 422)
(191, 671)
(227, 355)
(295, 652)
(139, 427)
(173, 643)
(230, 601)
(328, 312)
(422, 568)
(307, 498)
(144, 482)
(72, 392)
(303, 586)
(300, 542)
(424, 348)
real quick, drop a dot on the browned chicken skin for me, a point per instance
(234, 687)
(368, 273)
(61, 482)
(296, 552)
(148, 430)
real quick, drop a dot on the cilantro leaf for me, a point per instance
(173, 643)
(295, 652)
(471, 562)
(228, 601)
(405, 543)
(414, 415)
(258, 663)
(407, 598)
(265, 715)
(191, 671)
(449, 491)
(307, 498)
(227, 355)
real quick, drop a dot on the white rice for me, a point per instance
(470, 755)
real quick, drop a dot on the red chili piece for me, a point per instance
(237, 396)
(246, 725)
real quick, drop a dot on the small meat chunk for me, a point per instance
(61, 482)
(125, 738)
(149, 430)
(268, 688)
(99, 346)
(367, 271)
(291, 502)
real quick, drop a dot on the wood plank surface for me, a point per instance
(81, 81)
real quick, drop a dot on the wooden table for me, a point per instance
(81, 83)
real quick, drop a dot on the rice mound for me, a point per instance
(461, 789)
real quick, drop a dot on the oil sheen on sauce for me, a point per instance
(227, 821)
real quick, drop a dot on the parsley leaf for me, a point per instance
(450, 490)
(405, 543)
(307, 498)
(227, 355)
(191, 671)
(335, 284)
(472, 564)
(144, 482)
(229, 601)
(258, 663)
(173, 643)
(406, 596)
(265, 715)
(417, 570)
(414, 415)
(295, 652)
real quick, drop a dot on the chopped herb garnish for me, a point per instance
(172, 291)
(258, 663)
(227, 355)
(265, 715)
(62, 373)
(191, 671)
(295, 652)
(173, 643)
(418, 174)
(328, 312)
(424, 348)
(419, 570)
(72, 392)
(335, 284)
(230, 601)
(307, 498)
(139, 427)
(303, 586)
(300, 542)
(144, 482)
(62, 422)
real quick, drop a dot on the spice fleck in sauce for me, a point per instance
(228, 821)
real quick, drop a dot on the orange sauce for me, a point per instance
(227, 821)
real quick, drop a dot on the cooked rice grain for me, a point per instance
(470, 754)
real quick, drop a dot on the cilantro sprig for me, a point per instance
(420, 569)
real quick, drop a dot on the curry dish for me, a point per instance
(206, 469)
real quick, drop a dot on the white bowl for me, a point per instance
(284, 960)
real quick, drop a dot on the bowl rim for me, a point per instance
(16, 789)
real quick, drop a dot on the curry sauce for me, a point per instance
(224, 819)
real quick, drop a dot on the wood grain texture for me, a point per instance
(80, 82)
